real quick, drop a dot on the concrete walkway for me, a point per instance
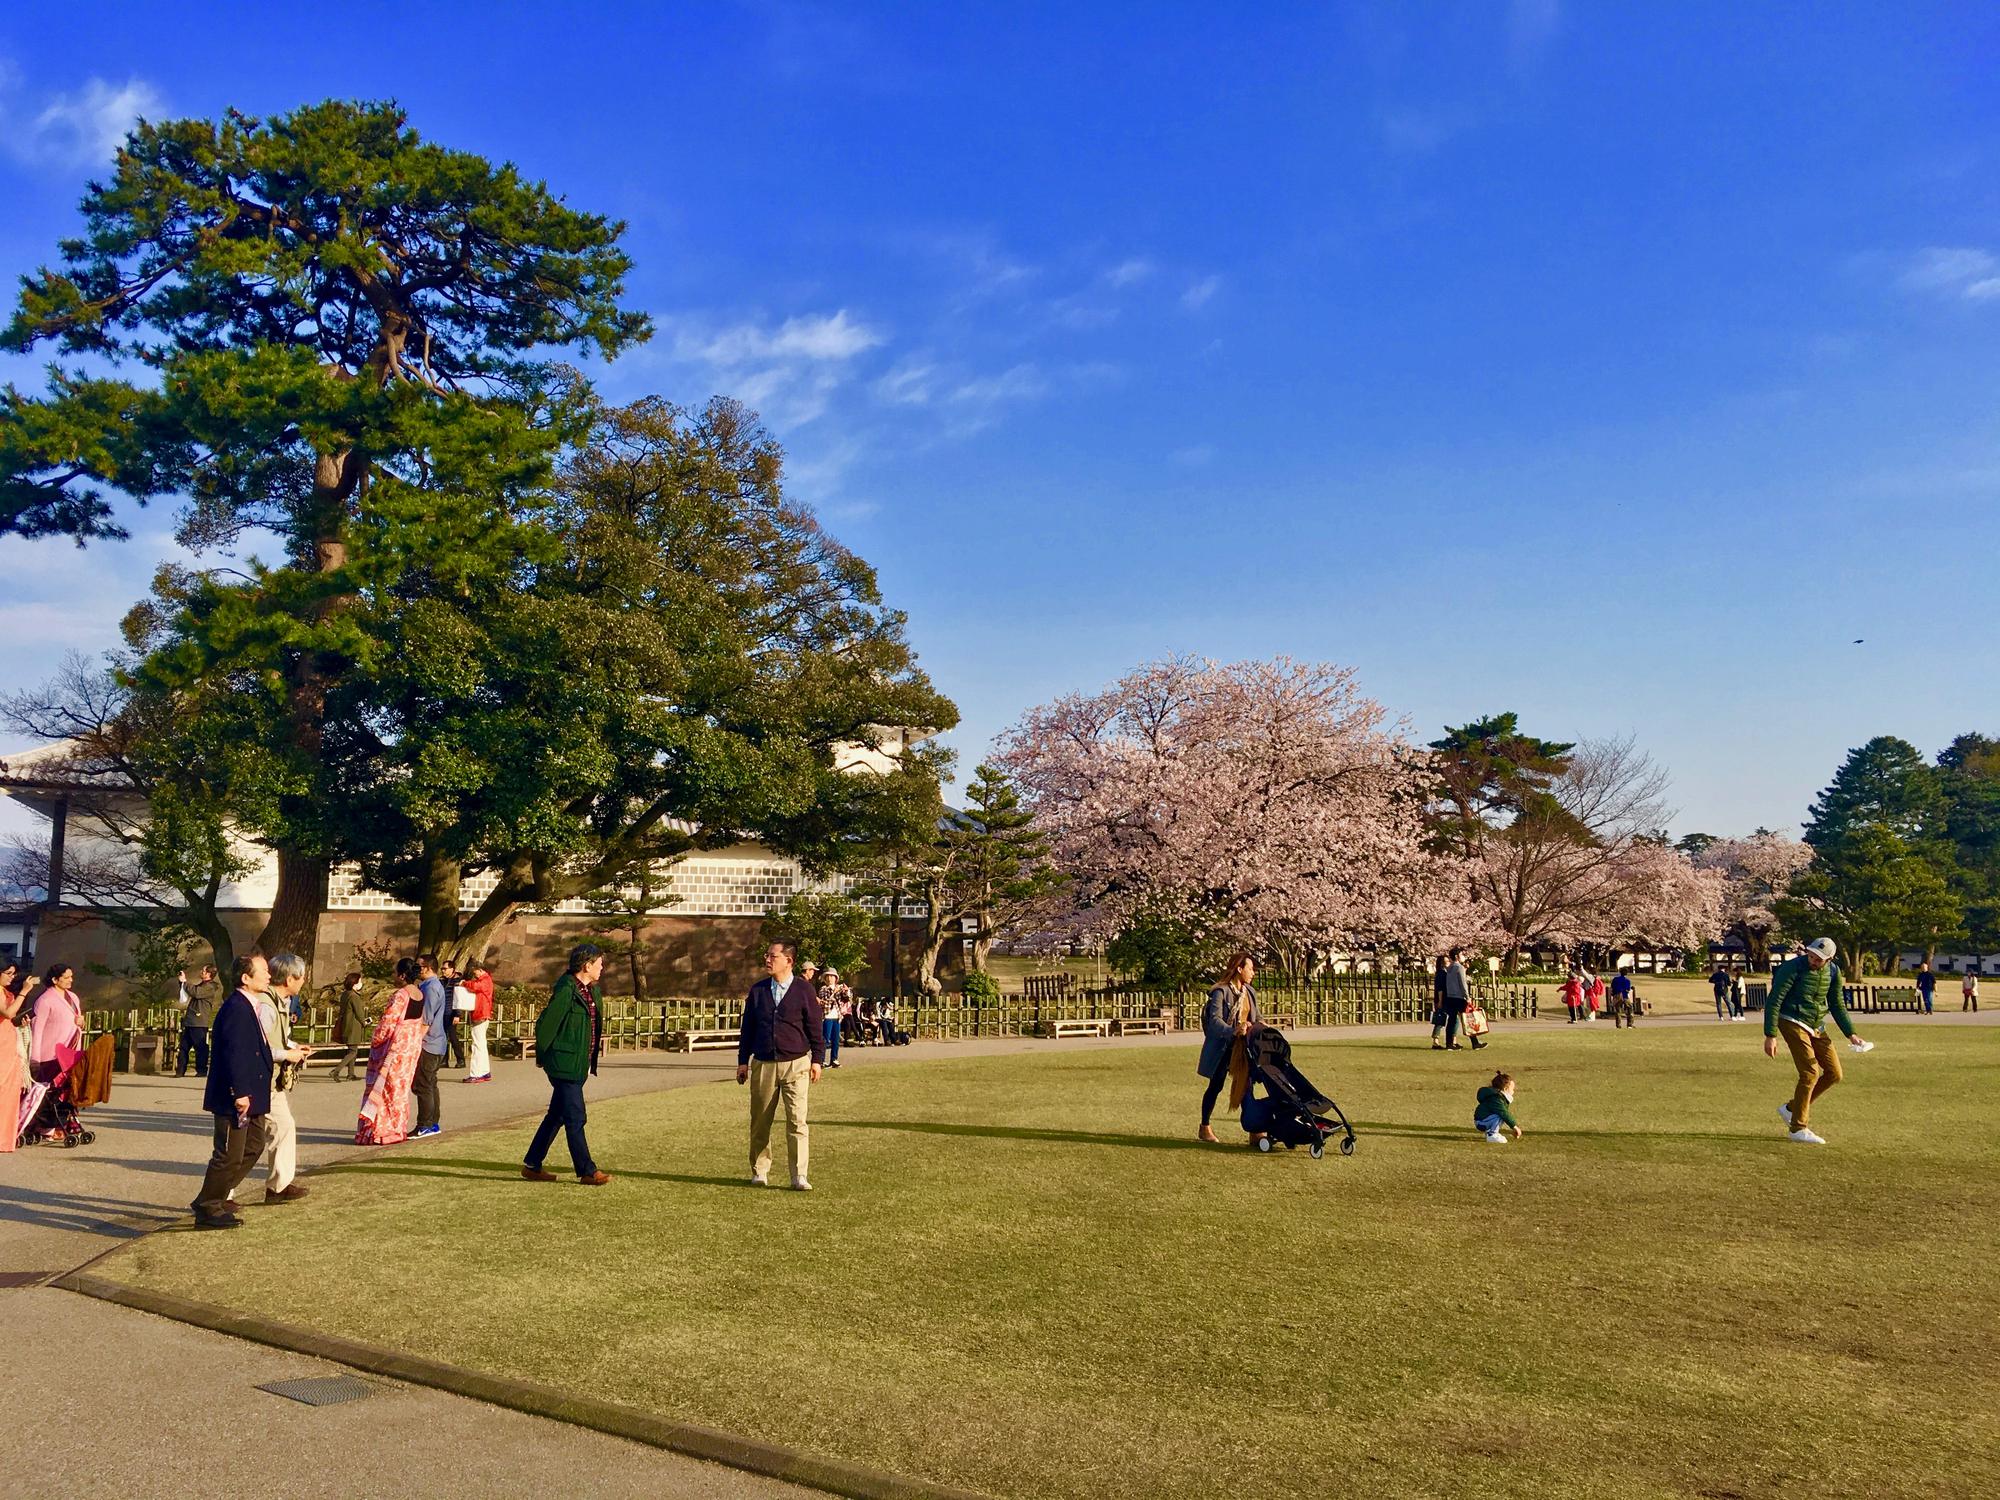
(61, 1209)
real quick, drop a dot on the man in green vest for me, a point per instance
(1804, 991)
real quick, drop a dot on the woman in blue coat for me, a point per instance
(1226, 1019)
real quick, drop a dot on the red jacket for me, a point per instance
(481, 986)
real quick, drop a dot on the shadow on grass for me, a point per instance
(1466, 1132)
(1020, 1133)
(461, 1170)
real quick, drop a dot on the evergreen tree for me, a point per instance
(1969, 776)
(1884, 784)
(1488, 775)
(346, 330)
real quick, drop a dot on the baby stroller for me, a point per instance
(48, 1109)
(1293, 1113)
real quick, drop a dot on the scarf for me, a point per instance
(1239, 1052)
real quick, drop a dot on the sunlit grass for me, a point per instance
(1022, 1275)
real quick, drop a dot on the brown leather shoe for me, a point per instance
(595, 1179)
(536, 1174)
(290, 1193)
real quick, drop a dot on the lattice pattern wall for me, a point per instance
(728, 883)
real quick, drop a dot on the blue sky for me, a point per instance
(1617, 365)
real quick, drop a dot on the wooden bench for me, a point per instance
(1282, 1023)
(1060, 1029)
(703, 1041)
(1140, 1026)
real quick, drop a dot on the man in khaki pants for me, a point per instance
(288, 977)
(778, 1055)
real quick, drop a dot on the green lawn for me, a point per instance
(1022, 1275)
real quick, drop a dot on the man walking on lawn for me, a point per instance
(569, 1038)
(1804, 990)
(1926, 985)
(778, 1054)
(238, 1094)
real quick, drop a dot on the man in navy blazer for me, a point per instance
(778, 1053)
(238, 1094)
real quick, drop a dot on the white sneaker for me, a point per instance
(758, 1179)
(1495, 1138)
(1806, 1138)
(800, 1185)
(1785, 1113)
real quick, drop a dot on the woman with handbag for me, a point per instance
(1225, 1021)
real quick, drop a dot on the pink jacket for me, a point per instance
(58, 1023)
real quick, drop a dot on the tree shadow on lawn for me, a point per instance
(1467, 1133)
(1022, 1133)
(458, 1169)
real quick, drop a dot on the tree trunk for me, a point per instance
(301, 896)
(293, 926)
(637, 955)
(438, 916)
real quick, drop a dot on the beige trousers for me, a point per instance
(283, 1154)
(770, 1082)
(477, 1063)
(1818, 1065)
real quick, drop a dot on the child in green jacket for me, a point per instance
(1493, 1112)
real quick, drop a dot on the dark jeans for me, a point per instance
(565, 1114)
(829, 1030)
(193, 1039)
(1214, 1090)
(426, 1088)
(1722, 1005)
(238, 1148)
(345, 1067)
(453, 1041)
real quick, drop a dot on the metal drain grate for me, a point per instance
(26, 1278)
(321, 1390)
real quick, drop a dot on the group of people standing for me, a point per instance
(38, 1030)
(409, 1041)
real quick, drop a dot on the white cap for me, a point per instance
(1823, 948)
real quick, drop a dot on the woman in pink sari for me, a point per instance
(386, 1105)
(14, 988)
(54, 1039)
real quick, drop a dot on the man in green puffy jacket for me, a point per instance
(1804, 991)
(569, 1036)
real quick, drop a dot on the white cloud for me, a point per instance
(1952, 271)
(914, 382)
(1023, 382)
(788, 374)
(79, 128)
(813, 337)
(1130, 272)
(1198, 292)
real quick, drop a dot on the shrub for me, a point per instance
(982, 988)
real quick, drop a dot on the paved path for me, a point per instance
(61, 1209)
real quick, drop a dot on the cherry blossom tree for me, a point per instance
(1582, 864)
(1757, 873)
(1270, 802)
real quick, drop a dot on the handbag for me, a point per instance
(1475, 1021)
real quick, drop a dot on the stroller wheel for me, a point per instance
(1318, 1150)
(1264, 1144)
(86, 1138)
(1347, 1146)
